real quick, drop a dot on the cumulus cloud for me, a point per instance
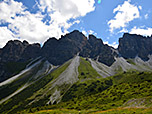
(9, 9)
(123, 31)
(141, 31)
(114, 44)
(92, 32)
(67, 8)
(5, 35)
(35, 27)
(124, 14)
(86, 33)
(146, 16)
(61, 11)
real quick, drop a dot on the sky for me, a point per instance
(38, 20)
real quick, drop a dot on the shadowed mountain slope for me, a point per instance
(73, 71)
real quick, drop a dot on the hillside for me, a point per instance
(76, 74)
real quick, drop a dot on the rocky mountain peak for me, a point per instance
(12, 50)
(16, 50)
(59, 51)
(94, 40)
(92, 37)
(75, 36)
(25, 43)
(96, 50)
(132, 45)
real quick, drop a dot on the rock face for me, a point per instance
(59, 51)
(14, 57)
(17, 53)
(12, 51)
(31, 51)
(131, 45)
(95, 49)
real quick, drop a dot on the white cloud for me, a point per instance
(84, 32)
(61, 11)
(123, 31)
(92, 32)
(140, 7)
(114, 44)
(29, 26)
(146, 16)
(5, 35)
(141, 31)
(68, 8)
(124, 14)
(9, 9)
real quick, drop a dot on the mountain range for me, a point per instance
(73, 72)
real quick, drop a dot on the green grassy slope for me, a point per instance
(93, 111)
(90, 94)
(15, 67)
(21, 100)
(88, 82)
(19, 82)
(86, 71)
(125, 87)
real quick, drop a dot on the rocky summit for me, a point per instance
(15, 55)
(132, 45)
(59, 51)
(76, 72)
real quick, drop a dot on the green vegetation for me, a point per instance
(126, 111)
(18, 83)
(60, 69)
(21, 101)
(90, 94)
(89, 82)
(86, 71)
(131, 61)
(92, 111)
(86, 88)
(15, 67)
(114, 92)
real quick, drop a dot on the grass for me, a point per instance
(89, 95)
(90, 82)
(91, 111)
(126, 111)
(86, 71)
(114, 92)
(19, 66)
(53, 76)
(21, 100)
(60, 69)
(19, 82)
(131, 61)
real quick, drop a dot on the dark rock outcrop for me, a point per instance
(19, 51)
(31, 51)
(95, 49)
(132, 45)
(59, 51)
(12, 51)
(15, 55)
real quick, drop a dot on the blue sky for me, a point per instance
(37, 20)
